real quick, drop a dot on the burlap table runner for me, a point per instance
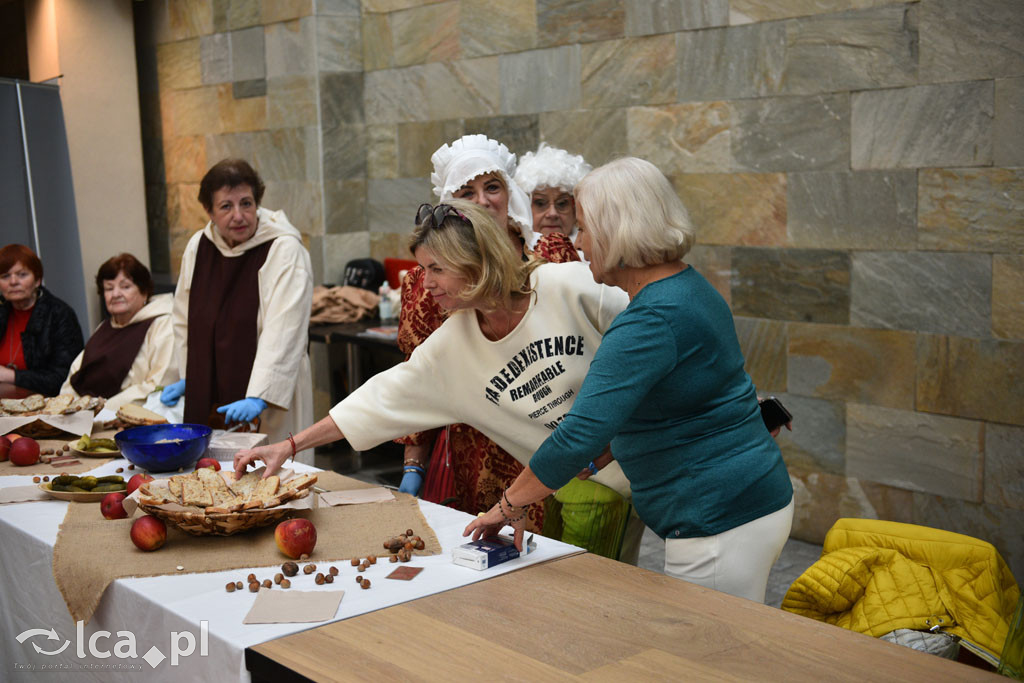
(343, 532)
(7, 469)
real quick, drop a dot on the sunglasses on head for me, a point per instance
(437, 214)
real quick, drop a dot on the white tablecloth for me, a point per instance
(152, 608)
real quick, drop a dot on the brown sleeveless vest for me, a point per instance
(108, 357)
(223, 307)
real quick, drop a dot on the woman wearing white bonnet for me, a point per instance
(550, 175)
(468, 466)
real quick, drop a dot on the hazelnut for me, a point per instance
(285, 583)
(65, 447)
(250, 578)
(238, 585)
(46, 479)
(360, 579)
(361, 568)
(329, 578)
(365, 584)
(354, 561)
(290, 568)
(304, 556)
(372, 559)
(408, 545)
(36, 480)
(393, 558)
(309, 569)
(408, 532)
(230, 588)
(319, 579)
(266, 583)
(387, 544)
(420, 545)
(333, 571)
(254, 587)
(405, 556)
(278, 577)
(131, 467)
(119, 470)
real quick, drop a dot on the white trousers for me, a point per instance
(736, 561)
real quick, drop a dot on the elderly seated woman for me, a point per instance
(131, 353)
(39, 333)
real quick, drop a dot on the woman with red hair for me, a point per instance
(39, 333)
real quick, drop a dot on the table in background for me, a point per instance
(591, 618)
(357, 346)
(8, 390)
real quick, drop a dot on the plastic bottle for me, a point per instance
(387, 311)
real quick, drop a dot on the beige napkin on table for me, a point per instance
(22, 494)
(293, 607)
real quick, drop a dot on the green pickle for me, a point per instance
(54, 486)
(111, 478)
(77, 489)
(87, 483)
(64, 480)
(111, 486)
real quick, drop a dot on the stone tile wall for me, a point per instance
(855, 169)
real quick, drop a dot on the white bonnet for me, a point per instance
(551, 167)
(457, 163)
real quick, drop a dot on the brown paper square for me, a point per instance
(404, 573)
(293, 607)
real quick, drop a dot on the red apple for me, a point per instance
(295, 537)
(136, 481)
(208, 462)
(24, 451)
(111, 506)
(148, 533)
(5, 447)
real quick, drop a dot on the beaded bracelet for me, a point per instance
(413, 461)
(507, 519)
(291, 440)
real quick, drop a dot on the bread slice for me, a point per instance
(175, 484)
(80, 403)
(193, 493)
(156, 495)
(212, 481)
(34, 402)
(264, 493)
(246, 484)
(56, 405)
(135, 415)
(302, 481)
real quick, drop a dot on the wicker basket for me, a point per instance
(201, 524)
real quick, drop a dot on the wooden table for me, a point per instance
(8, 390)
(590, 618)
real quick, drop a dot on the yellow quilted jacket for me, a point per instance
(874, 577)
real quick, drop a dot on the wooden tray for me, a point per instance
(74, 496)
(88, 454)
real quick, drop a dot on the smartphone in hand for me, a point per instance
(774, 413)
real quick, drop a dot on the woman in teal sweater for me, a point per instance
(667, 388)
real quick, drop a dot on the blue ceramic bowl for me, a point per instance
(164, 448)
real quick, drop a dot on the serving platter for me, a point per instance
(74, 496)
(73, 448)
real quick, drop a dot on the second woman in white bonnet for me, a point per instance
(549, 176)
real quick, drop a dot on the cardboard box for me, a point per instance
(224, 445)
(489, 552)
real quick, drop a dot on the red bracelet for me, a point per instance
(291, 440)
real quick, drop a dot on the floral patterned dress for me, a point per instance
(479, 468)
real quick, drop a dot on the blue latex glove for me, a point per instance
(245, 410)
(172, 392)
(411, 482)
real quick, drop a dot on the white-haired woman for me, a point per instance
(549, 176)
(459, 462)
(508, 360)
(668, 389)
